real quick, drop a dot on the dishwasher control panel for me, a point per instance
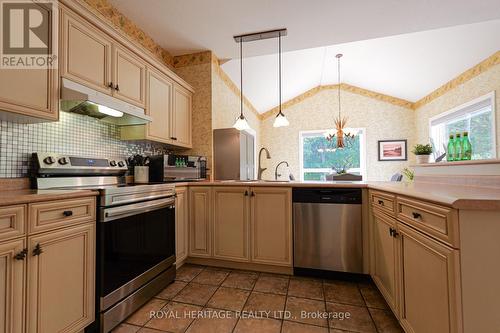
(327, 195)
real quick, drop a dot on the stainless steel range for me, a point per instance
(135, 231)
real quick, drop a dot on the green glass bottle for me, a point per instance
(450, 154)
(458, 147)
(466, 147)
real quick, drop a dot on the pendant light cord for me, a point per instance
(338, 73)
(279, 70)
(241, 78)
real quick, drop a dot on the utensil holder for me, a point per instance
(141, 174)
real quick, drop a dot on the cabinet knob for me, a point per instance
(416, 215)
(246, 193)
(117, 88)
(37, 250)
(110, 85)
(252, 194)
(21, 255)
(68, 213)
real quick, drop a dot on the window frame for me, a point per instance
(362, 152)
(491, 97)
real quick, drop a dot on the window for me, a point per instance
(317, 159)
(476, 117)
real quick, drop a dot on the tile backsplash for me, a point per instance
(72, 134)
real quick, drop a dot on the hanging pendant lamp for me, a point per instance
(241, 122)
(343, 139)
(280, 120)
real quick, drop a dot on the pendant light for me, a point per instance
(343, 139)
(241, 122)
(280, 120)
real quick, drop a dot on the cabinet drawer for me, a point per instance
(436, 221)
(384, 201)
(12, 221)
(62, 213)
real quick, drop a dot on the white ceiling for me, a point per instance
(408, 66)
(189, 26)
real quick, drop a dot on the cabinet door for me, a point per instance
(12, 291)
(129, 77)
(384, 265)
(181, 225)
(181, 116)
(231, 215)
(271, 225)
(159, 106)
(30, 92)
(86, 53)
(200, 221)
(61, 280)
(430, 281)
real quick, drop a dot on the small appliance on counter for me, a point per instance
(175, 168)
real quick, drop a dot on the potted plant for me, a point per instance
(422, 152)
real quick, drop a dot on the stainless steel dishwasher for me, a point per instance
(327, 229)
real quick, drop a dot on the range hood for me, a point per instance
(80, 99)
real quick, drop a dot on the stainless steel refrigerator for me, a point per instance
(234, 154)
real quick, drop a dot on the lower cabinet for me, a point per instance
(60, 293)
(231, 223)
(181, 224)
(430, 284)
(271, 223)
(384, 265)
(12, 291)
(242, 224)
(200, 221)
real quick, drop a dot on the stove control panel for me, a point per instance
(52, 162)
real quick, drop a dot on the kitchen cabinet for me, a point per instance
(129, 76)
(200, 221)
(231, 223)
(47, 274)
(384, 268)
(181, 225)
(79, 39)
(12, 290)
(30, 95)
(271, 224)
(60, 293)
(429, 277)
(181, 117)
(159, 104)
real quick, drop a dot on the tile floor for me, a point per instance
(206, 299)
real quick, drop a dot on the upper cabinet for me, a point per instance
(30, 95)
(78, 40)
(111, 69)
(129, 77)
(181, 117)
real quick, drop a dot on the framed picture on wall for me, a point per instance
(392, 150)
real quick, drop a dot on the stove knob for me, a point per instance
(121, 164)
(49, 160)
(112, 163)
(63, 161)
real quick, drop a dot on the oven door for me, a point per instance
(136, 242)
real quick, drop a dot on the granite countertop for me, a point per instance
(14, 197)
(456, 196)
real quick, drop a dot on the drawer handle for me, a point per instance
(21, 255)
(381, 202)
(68, 213)
(416, 216)
(37, 250)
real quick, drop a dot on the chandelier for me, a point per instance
(337, 136)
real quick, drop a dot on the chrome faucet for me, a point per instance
(276, 175)
(261, 170)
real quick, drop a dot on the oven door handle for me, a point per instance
(109, 214)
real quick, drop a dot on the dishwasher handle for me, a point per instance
(327, 195)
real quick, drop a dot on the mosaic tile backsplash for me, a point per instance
(72, 134)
